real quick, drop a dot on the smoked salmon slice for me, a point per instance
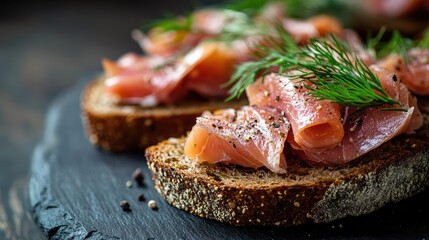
(139, 79)
(303, 30)
(250, 137)
(316, 123)
(215, 68)
(373, 128)
(414, 72)
(151, 80)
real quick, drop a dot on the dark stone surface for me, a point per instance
(45, 47)
(76, 189)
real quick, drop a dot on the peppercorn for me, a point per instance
(138, 176)
(125, 206)
(141, 197)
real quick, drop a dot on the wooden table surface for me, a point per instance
(46, 48)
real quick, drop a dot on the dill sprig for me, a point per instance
(270, 54)
(239, 26)
(182, 23)
(397, 44)
(250, 7)
(335, 72)
(424, 41)
(295, 8)
(339, 76)
(374, 43)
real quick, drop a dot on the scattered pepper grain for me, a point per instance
(125, 206)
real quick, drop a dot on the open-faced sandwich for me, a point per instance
(142, 99)
(333, 128)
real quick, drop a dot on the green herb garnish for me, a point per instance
(239, 26)
(183, 23)
(336, 73)
(374, 43)
(340, 76)
(424, 42)
(250, 7)
(397, 44)
(342, 9)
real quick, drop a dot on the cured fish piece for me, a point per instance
(391, 8)
(326, 25)
(213, 21)
(414, 73)
(250, 137)
(203, 24)
(391, 79)
(373, 128)
(303, 30)
(150, 80)
(158, 42)
(139, 79)
(215, 68)
(316, 123)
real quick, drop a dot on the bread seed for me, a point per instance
(233, 214)
(129, 184)
(296, 204)
(152, 204)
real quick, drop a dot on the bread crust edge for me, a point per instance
(362, 190)
(127, 128)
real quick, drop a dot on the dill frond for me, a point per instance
(335, 72)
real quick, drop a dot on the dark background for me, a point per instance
(45, 48)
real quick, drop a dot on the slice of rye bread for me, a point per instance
(242, 196)
(124, 127)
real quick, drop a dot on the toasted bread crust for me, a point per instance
(241, 196)
(118, 127)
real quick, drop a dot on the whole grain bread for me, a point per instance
(123, 127)
(243, 196)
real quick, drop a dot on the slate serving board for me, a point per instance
(75, 190)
